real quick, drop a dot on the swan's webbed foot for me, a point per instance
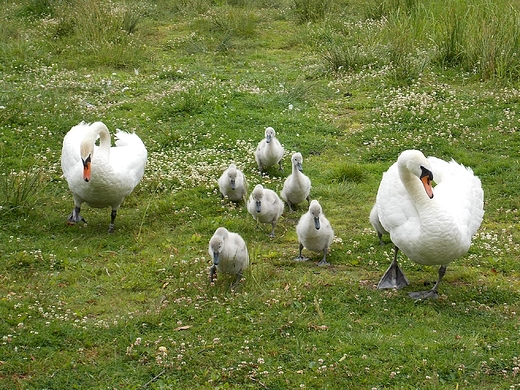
(300, 257)
(323, 262)
(430, 293)
(424, 294)
(75, 216)
(393, 277)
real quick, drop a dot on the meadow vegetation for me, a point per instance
(349, 84)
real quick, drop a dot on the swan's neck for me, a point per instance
(88, 142)
(415, 189)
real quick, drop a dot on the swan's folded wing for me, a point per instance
(129, 156)
(460, 191)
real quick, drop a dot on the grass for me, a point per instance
(349, 85)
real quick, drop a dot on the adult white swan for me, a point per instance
(101, 176)
(432, 226)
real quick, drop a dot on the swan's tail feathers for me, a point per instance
(393, 277)
(126, 139)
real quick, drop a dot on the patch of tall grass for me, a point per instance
(21, 190)
(79, 32)
(408, 37)
(306, 11)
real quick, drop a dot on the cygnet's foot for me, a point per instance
(301, 258)
(111, 228)
(323, 263)
(236, 283)
(424, 294)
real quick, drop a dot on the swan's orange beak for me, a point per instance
(86, 169)
(426, 179)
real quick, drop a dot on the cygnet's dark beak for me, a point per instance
(317, 223)
(216, 258)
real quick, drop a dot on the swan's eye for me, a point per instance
(426, 173)
(87, 161)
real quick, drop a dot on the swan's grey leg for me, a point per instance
(433, 292)
(380, 236)
(393, 277)
(113, 215)
(290, 206)
(324, 260)
(300, 257)
(75, 216)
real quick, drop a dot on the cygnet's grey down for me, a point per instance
(314, 232)
(265, 206)
(376, 223)
(232, 184)
(297, 185)
(269, 151)
(229, 253)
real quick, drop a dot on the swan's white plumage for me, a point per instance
(269, 151)
(297, 186)
(228, 251)
(232, 184)
(115, 171)
(314, 231)
(265, 206)
(432, 231)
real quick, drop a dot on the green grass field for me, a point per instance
(349, 84)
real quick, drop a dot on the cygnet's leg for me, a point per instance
(272, 230)
(75, 216)
(238, 278)
(212, 272)
(393, 277)
(380, 236)
(290, 206)
(113, 215)
(430, 293)
(323, 261)
(300, 257)
(280, 168)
